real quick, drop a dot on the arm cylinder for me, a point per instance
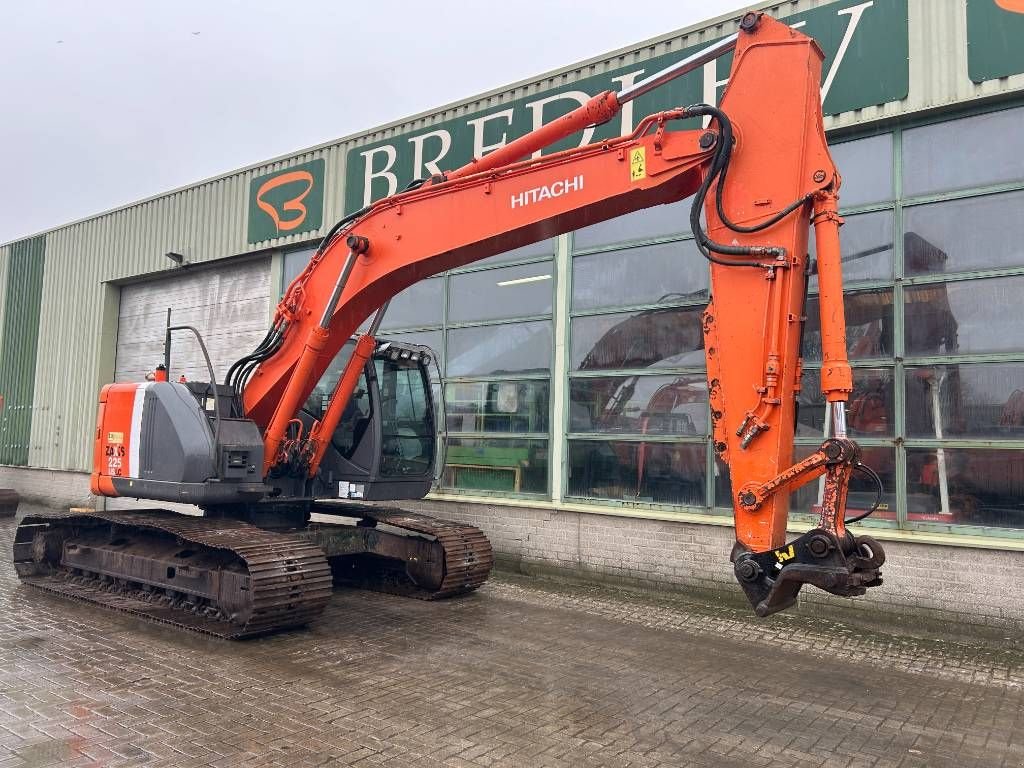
(836, 376)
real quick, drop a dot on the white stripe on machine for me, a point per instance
(135, 437)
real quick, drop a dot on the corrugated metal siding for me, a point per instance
(209, 220)
(23, 287)
(69, 343)
(4, 257)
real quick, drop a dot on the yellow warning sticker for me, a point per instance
(782, 555)
(637, 164)
(115, 437)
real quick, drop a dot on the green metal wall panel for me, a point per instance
(19, 343)
(995, 29)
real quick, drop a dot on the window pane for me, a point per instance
(661, 338)
(500, 349)
(970, 152)
(542, 248)
(866, 241)
(518, 466)
(420, 304)
(295, 262)
(983, 487)
(495, 294)
(959, 235)
(863, 491)
(433, 340)
(870, 410)
(866, 168)
(868, 325)
(666, 473)
(407, 424)
(497, 406)
(723, 485)
(966, 401)
(647, 224)
(972, 316)
(653, 274)
(643, 405)
(319, 398)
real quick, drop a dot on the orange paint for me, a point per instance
(752, 334)
(293, 204)
(112, 445)
(1013, 6)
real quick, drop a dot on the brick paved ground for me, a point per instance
(522, 673)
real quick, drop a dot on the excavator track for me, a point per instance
(217, 576)
(427, 559)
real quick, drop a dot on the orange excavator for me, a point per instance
(283, 477)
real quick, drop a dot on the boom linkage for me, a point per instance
(768, 135)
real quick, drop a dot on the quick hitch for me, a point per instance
(828, 557)
(844, 566)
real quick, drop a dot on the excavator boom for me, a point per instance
(763, 173)
(760, 176)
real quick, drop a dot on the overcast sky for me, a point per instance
(110, 101)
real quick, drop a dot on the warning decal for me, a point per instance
(637, 164)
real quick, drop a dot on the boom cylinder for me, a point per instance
(316, 341)
(600, 109)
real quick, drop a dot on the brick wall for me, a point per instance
(929, 588)
(979, 589)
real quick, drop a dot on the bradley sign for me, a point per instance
(865, 45)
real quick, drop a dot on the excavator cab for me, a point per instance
(385, 446)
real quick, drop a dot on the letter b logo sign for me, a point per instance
(285, 202)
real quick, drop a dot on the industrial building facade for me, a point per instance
(576, 424)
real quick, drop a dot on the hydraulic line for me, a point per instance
(717, 173)
(864, 469)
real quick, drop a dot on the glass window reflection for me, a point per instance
(869, 326)
(664, 473)
(970, 316)
(646, 224)
(966, 400)
(643, 405)
(534, 250)
(870, 411)
(420, 304)
(966, 486)
(969, 152)
(497, 294)
(654, 338)
(867, 247)
(866, 168)
(498, 350)
(516, 466)
(497, 406)
(652, 274)
(960, 235)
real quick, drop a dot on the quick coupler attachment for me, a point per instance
(843, 566)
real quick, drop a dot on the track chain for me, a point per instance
(468, 557)
(289, 578)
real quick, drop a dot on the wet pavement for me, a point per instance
(521, 673)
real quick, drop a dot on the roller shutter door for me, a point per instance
(228, 304)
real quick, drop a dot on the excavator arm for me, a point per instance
(761, 175)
